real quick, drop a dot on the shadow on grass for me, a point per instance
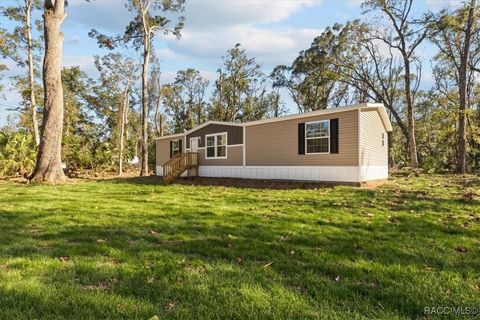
(234, 256)
(150, 180)
(132, 263)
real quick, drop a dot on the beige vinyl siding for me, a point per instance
(276, 143)
(372, 153)
(234, 157)
(163, 149)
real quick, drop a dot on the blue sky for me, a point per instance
(272, 31)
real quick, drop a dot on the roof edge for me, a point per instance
(383, 115)
(361, 106)
(199, 127)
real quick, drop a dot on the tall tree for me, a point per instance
(49, 163)
(241, 89)
(117, 77)
(185, 100)
(375, 75)
(155, 96)
(21, 38)
(404, 34)
(140, 32)
(314, 79)
(456, 34)
(3, 53)
(344, 65)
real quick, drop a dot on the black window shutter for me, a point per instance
(301, 138)
(334, 135)
(171, 148)
(180, 145)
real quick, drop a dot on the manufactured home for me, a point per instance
(344, 145)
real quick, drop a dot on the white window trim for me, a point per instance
(328, 137)
(178, 144)
(226, 145)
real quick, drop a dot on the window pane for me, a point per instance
(210, 141)
(210, 152)
(175, 147)
(312, 129)
(317, 145)
(221, 140)
(317, 129)
(221, 151)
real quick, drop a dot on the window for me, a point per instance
(175, 147)
(317, 137)
(216, 145)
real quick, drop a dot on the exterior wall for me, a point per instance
(235, 134)
(372, 153)
(276, 143)
(272, 150)
(234, 157)
(369, 173)
(162, 149)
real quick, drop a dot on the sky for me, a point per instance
(272, 31)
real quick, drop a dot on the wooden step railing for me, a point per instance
(178, 164)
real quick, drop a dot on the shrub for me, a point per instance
(17, 153)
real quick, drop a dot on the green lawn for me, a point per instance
(135, 249)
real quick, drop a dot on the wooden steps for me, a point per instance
(178, 164)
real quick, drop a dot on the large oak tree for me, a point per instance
(49, 163)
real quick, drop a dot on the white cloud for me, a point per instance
(212, 27)
(354, 3)
(165, 53)
(110, 16)
(441, 4)
(269, 46)
(206, 14)
(85, 62)
(209, 75)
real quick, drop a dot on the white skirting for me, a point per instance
(321, 173)
(373, 173)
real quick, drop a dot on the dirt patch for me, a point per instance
(256, 184)
(373, 184)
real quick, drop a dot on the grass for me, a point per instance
(135, 249)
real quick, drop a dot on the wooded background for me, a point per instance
(98, 124)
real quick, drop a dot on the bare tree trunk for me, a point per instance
(158, 116)
(49, 163)
(146, 60)
(123, 116)
(463, 95)
(412, 145)
(33, 104)
(160, 120)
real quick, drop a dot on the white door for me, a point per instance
(194, 144)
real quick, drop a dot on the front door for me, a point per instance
(194, 144)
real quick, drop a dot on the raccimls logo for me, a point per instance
(460, 311)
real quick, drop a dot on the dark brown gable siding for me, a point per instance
(235, 134)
